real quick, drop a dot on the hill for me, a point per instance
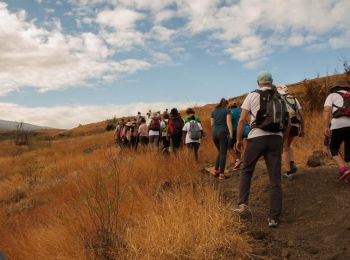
(11, 126)
(76, 196)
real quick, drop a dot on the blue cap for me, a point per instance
(265, 77)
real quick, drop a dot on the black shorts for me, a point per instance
(339, 136)
(294, 131)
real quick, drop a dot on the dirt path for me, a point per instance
(316, 215)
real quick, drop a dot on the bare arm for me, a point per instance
(327, 112)
(242, 120)
(229, 124)
(212, 122)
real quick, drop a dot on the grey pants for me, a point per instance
(270, 147)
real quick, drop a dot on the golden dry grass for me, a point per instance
(77, 197)
(60, 202)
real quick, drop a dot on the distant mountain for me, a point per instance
(11, 125)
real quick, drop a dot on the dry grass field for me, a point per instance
(75, 196)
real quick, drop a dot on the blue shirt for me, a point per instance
(219, 115)
(236, 113)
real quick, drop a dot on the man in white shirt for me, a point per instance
(337, 125)
(262, 143)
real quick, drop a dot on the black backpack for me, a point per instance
(273, 113)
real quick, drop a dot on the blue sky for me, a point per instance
(100, 58)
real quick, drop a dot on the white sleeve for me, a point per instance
(247, 102)
(329, 101)
(185, 128)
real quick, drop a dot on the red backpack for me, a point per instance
(175, 126)
(155, 124)
(345, 109)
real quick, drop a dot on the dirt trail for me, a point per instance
(316, 215)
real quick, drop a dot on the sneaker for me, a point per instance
(216, 173)
(293, 168)
(288, 175)
(343, 175)
(237, 165)
(242, 210)
(223, 176)
(273, 222)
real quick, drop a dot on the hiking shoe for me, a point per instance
(273, 222)
(215, 173)
(223, 176)
(288, 175)
(344, 175)
(293, 168)
(237, 165)
(242, 210)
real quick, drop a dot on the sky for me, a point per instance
(70, 62)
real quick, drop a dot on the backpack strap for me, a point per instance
(294, 105)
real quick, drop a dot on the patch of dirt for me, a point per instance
(315, 223)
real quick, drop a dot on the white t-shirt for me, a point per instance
(252, 104)
(187, 129)
(336, 99)
(290, 99)
(152, 132)
(165, 132)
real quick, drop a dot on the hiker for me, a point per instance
(269, 126)
(134, 134)
(128, 134)
(155, 127)
(235, 111)
(175, 128)
(189, 113)
(143, 132)
(138, 119)
(337, 125)
(116, 131)
(120, 132)
(296, 129)
(192, 134)
(165, 134)
(221, 123)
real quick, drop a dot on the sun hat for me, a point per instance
(282, 89)
(128, 124)
(264, 77)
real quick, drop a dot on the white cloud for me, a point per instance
(161, 58)
(51, 60)
(72, 116)
(249, 30)
(119, 18)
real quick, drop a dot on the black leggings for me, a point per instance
(220, 141)
(176, 141)
(338, 137)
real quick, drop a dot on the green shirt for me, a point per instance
(219, 115)
(196, 118)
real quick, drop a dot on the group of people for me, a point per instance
(165, 131)
(275, 118)
(265, 124)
